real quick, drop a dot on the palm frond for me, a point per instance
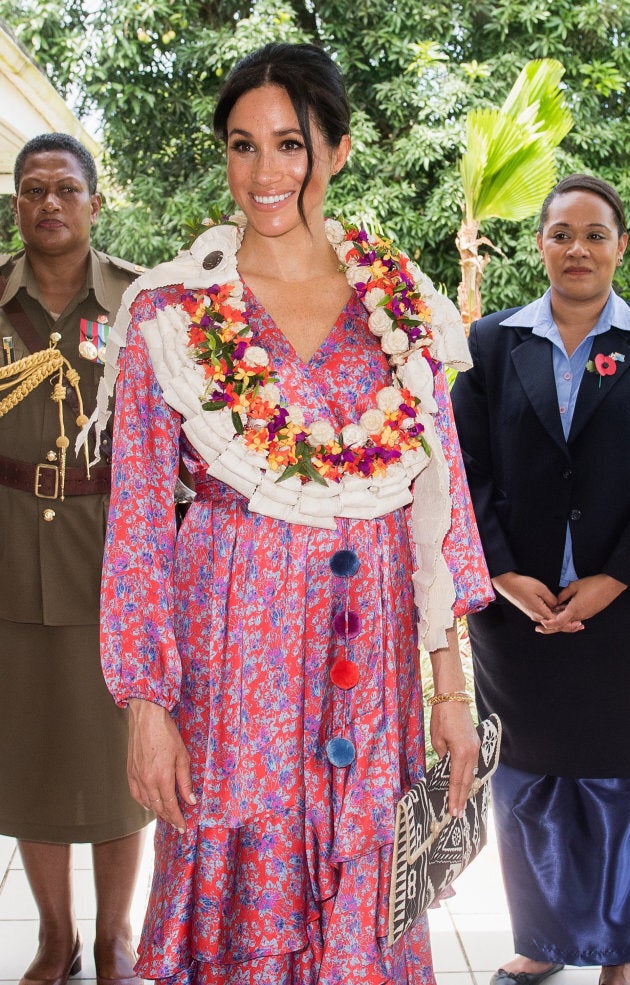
(536, 96)
(499, 148)
(517, 189)
(499, 136)
(515, 145)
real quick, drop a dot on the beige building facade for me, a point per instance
(29, 105)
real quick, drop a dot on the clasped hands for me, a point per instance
(565, 612)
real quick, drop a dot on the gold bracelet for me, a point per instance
(461, 696)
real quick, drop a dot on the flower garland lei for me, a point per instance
(416, 338)
(240, 379)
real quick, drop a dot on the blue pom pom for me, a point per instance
(340, 752)
(344, 564)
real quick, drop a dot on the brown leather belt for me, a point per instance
(44, 480)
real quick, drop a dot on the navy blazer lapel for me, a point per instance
(533, 362)
(595, 388)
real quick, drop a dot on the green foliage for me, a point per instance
(150, 72)
(10, 239)
(509, 163)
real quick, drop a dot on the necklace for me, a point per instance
(240, 379)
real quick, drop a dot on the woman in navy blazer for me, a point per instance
(544, 424)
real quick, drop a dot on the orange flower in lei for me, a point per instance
(240, 378)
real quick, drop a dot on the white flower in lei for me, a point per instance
(372, 420)
(355, 435)
(380, 321)
(321, 433)
(255, 355)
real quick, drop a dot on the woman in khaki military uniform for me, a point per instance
(63, 742)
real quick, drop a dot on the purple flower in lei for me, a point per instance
(239, 349)
(415, 430)
(386, 455)
(279, 421)
(347, 455)
(400, 305)
(406, 409)
(416, 332)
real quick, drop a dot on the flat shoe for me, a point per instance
(74, 967)
(503, 977)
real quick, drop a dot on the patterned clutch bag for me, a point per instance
(431, 848)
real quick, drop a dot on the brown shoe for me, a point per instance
(74, 967)
(122, 957)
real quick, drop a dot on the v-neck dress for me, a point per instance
(282, 875)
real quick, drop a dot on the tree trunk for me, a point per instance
(472, 265)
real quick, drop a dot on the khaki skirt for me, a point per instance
(63, 741)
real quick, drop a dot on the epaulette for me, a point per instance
(126, 265)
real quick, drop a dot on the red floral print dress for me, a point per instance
(240, 626)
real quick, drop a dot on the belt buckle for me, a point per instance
(38, 476)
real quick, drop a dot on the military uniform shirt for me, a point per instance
(51, 551)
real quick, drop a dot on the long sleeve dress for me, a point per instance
(263, 653)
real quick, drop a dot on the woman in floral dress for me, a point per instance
(269, 651)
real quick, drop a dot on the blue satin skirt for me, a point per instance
(564, 845)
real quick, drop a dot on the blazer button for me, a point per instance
(48, 515)
(567, 473)
(575, 515)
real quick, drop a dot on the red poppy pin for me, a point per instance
(605, 365)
